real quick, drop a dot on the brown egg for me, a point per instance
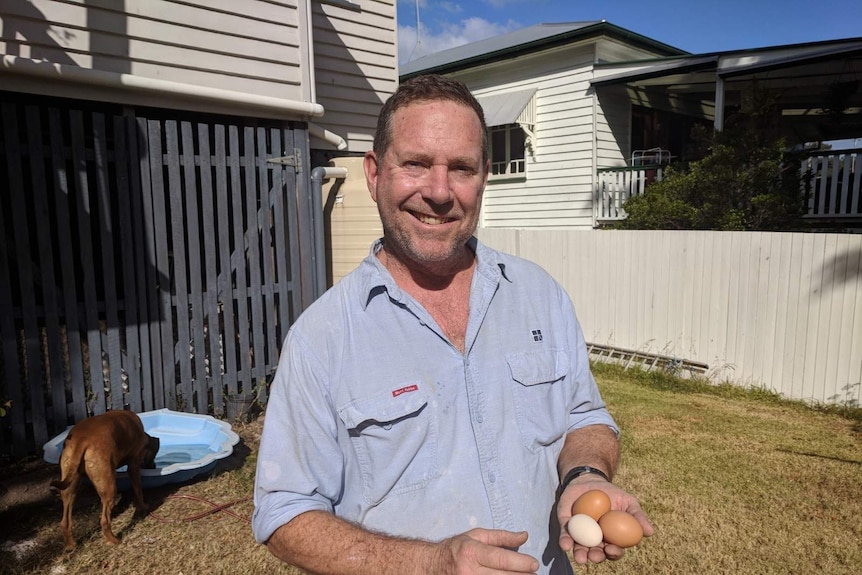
(594, 503)
(621, 529)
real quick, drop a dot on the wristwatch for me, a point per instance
(576, 472)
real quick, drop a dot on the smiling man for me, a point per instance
(434, 412)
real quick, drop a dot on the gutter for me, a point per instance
(317, 176)
(327, 136)
(67, 73)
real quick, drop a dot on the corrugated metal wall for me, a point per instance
(779, 310)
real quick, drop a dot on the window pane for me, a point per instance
(516, 145)
(498, 145)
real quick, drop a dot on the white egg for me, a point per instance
(584, 530)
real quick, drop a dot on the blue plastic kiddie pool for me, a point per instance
(191, 444)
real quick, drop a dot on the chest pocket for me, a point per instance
(540, 396)
(394, 435)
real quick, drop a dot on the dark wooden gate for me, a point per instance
(149, 259)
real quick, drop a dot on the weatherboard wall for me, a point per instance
(247, 46)
(355, 64)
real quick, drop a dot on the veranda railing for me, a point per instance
(832, 185)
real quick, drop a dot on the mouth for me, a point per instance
(431, 220)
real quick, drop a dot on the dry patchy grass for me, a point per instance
(734, 483)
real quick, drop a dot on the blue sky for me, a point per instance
(694, 25)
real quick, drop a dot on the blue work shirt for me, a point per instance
(374, 415)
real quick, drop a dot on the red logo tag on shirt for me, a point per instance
(397, 392)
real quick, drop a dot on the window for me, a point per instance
(507, 150)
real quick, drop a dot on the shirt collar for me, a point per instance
(375, 279)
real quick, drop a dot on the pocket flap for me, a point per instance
(538, 366)
(385, 407)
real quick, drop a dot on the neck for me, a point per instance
(427, 276)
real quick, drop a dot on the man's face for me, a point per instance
(428, 186)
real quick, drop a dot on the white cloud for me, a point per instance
(449, 36)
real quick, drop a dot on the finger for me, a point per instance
(596, 554)
(613, 552)
(499, 559)
(500, 550)
(500, 538)
(635, 511)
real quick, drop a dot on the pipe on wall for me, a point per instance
(317, 176)
(327, 136)
(64, 72)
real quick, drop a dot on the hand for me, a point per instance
(620, 500)
(484, 551)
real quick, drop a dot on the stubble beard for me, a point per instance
(407, 251)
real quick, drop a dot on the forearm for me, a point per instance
(595, 445)
(323, 544)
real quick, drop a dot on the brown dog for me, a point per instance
(96, 447)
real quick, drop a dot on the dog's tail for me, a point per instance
(71, 458)
(59, 484)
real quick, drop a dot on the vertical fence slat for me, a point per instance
(213, 377)
(253, 233)
(227, 326)
(160, 229)
(149, 283)
(26, 277)
(195, 285)
(180, 304)
(269, 175)
(55, 379)
(106, 230)
(294, 215)
(239, 257)
(87, 265)
(132, 363)
(857, 178)
(15, 442)
(282, 247)
(62, 194)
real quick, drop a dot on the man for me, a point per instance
(426, 407)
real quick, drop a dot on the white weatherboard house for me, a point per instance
(584, 114)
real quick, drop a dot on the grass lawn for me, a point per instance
(735, 482)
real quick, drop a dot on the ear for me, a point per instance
(372, 170)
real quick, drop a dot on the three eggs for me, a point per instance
(593, 521)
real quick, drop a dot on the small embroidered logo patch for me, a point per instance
(537, 335)
(397, 392)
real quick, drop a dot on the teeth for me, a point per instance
(430, 220)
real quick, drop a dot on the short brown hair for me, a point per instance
(426, 88)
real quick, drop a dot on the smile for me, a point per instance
(431, 220)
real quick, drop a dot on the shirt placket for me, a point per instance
(486, 445)
(484, 421)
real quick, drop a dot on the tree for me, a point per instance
(747, 180)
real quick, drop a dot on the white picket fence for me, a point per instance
(777, 310)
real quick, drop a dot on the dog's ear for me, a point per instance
(152, 449)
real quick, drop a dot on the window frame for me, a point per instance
(510, 161)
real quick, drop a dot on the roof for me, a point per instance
(727, 63)
(525, 41)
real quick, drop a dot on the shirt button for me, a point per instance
(480, 419)
(492, 478)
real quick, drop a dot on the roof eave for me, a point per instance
(585, 33)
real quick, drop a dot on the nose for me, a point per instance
(438, 190)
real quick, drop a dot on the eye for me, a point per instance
(463, 170)
(413, 166)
